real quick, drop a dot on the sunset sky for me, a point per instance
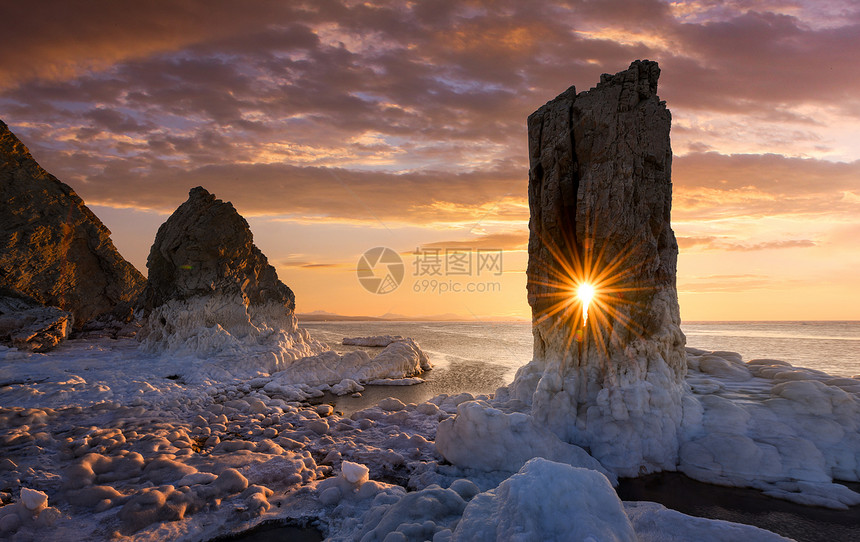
(337, 126)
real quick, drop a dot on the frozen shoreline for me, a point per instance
(106, 429)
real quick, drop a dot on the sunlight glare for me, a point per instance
(585, 293)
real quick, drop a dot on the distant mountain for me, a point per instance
(325, 316)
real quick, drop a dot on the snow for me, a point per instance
(375, 340)
(354, 473)
(485, 438)
(547, 501)
(102, 438)
(655, 523)
(157, 444)
(765, 424)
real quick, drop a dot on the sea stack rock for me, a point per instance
(211, 290)
(52, 247)
(600, 195)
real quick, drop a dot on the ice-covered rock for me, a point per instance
(787, 431)
(210, 289)
(547, 501)
(345, 372)
(484, 438)
(52, 247)
(26, 324)
(600, 197)
(376, 340)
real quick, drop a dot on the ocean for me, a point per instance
(478, 357)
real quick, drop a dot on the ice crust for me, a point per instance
(226, 325)
(375, 340)
(763, 424)
(486, 438)
(547, 501)
(114, 445)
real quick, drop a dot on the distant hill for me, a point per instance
(325, 316)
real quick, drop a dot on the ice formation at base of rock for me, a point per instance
(226, 325)
(487, 439)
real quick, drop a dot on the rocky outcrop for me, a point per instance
(210, 289)
(26, 324)
(52, 247)
(600, 195)
(206, 247)
(608, 375)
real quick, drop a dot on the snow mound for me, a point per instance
(547, 501)
(485, 438)
(376, 340)
(345, 372)
(656, 523)
(765, 424)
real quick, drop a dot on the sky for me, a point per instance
(337, 126)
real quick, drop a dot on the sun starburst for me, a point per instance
(586, 293)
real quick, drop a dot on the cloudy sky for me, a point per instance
(337, 126)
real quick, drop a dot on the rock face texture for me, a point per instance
(600, 195)
(26, 324)
(52, 247)
(211, 290)
(206, 247)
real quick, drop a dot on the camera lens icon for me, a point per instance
(380, 270)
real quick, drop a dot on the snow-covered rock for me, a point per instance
(211, 291)
(547, 501)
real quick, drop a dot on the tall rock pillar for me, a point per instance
(600, 194)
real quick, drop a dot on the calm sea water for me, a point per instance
(478, 357)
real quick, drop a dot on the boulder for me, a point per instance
(52, 247)
(26, 324)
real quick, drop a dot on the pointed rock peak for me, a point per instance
(198, 192)
(52, 247)
(206, 247)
